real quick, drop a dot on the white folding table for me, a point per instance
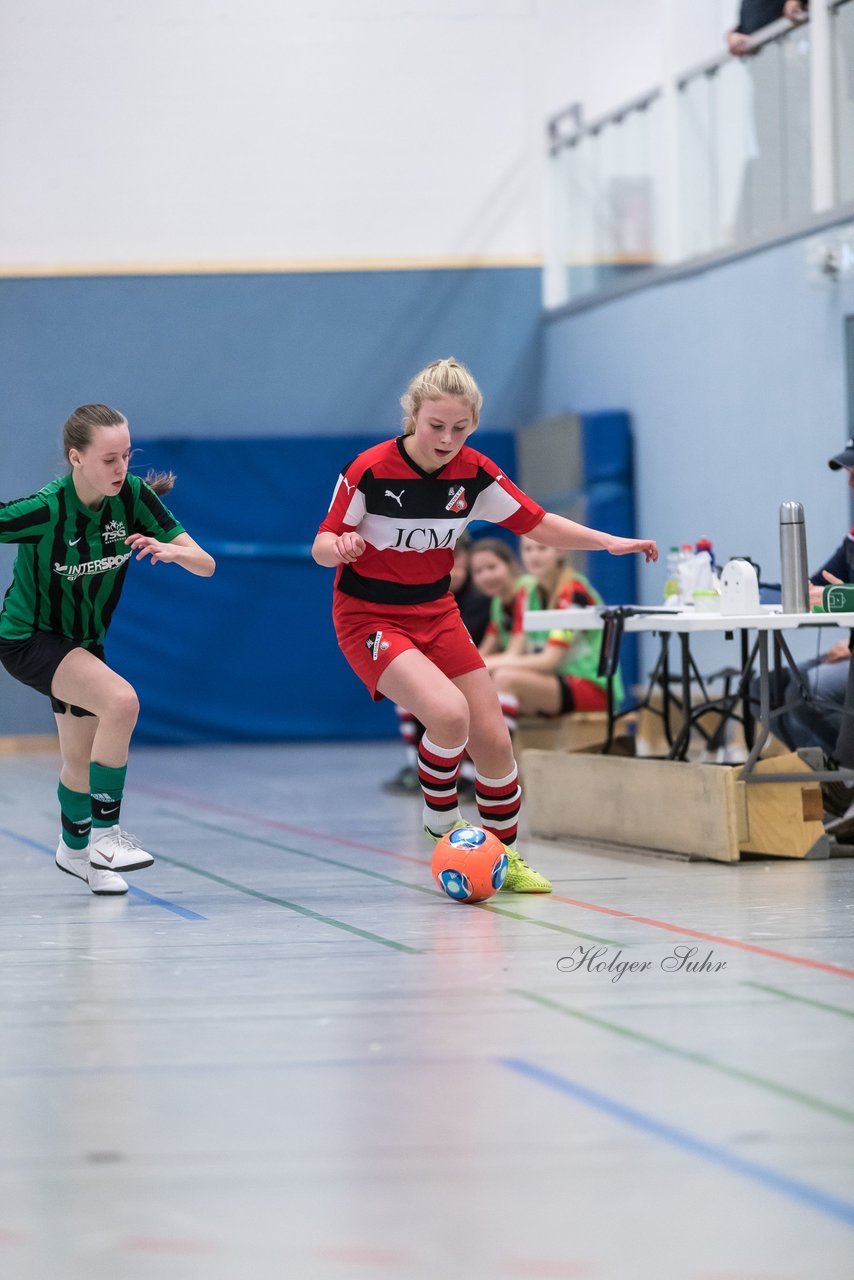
(687, 622)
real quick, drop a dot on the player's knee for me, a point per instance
(124, 704)
(452, 720)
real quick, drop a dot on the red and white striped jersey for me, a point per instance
(410, 519)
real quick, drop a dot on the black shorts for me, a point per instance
(34, 661)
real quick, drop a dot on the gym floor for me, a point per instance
(284, 1053)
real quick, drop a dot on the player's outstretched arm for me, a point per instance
(182, 550)
(332, 549)
(557, 531)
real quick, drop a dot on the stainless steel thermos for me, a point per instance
(794, 575)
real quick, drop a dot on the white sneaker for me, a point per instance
(112, 849)
(75, 862)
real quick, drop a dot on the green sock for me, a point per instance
(75, 808)
(106, 785)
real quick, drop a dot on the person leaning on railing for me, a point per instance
(756, 14)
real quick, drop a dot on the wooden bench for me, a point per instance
(571, 732)
(697, 810)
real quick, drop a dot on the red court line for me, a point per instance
(210, 806)
(195, 802)
(709, 937)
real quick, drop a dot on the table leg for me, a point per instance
(764, 726)
(746, 667)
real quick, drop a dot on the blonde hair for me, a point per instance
(441, 378)
(79, 429)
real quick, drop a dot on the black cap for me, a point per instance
(843, 459)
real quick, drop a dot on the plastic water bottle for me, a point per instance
(671, 582)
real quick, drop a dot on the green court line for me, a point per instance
(790, 995)
(378, 875)
(701, 1059)
(546, 924)
(291, 906)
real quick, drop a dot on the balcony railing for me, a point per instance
(732, 152)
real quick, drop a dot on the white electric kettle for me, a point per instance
(739, 589)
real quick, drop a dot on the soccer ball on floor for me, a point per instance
(469, 864)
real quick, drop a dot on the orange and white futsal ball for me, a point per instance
(469, 864)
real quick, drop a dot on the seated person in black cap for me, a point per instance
(818, 723)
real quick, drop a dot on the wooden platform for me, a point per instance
(560, 733)
(698, 810)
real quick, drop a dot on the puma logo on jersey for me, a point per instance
(398, 497)
(347, 484)
(457, 499)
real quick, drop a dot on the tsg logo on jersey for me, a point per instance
(376, 644)
(457, 499)
(114, 532)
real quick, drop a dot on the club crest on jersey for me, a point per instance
(114, 532)
(375, 644)
(457, 499)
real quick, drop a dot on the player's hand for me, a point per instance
(646, 547)
(349, 546)
(794, 11)
(144, 546)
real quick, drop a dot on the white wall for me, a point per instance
(185, 131)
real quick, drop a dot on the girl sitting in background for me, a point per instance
(551, 673)
(498, 574)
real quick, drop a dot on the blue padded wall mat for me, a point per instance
(249, 655)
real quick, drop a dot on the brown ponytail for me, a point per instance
(160, 481)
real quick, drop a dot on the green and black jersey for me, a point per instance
(71, 564)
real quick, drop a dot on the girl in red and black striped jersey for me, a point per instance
(474, 607)
(396, 513)
(76, 537)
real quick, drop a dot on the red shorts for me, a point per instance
(578, 694)
(372, 635)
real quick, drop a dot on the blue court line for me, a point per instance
(813, 1197)
(142, 894)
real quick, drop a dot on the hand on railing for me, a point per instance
(795, 11)
(739, 45)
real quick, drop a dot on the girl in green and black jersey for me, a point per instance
(76, 537)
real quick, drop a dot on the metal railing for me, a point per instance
(729, 152)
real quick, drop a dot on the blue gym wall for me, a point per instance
(734, 378)
(311, 365)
